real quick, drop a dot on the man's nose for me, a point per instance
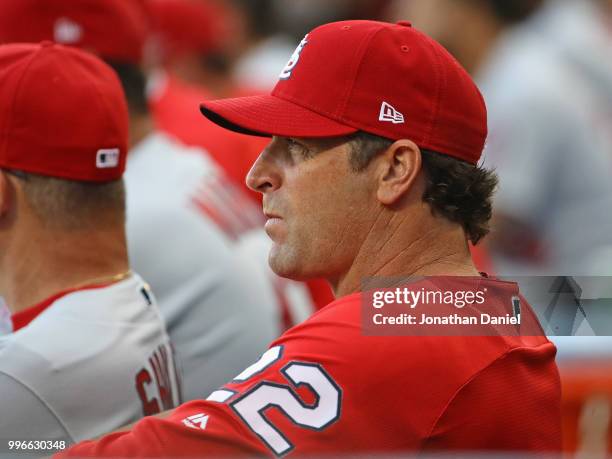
(263, 176)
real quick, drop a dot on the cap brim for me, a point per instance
(267, 116)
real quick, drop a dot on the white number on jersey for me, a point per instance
(267, 359)
(252, 404)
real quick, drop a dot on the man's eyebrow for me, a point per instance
(324, 143)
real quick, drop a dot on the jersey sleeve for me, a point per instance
(267, 409)
(24, 415)
(216, 434)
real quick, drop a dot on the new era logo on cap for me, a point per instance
(107, 157)
(390, 114)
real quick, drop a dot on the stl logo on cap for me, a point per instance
(293, 60)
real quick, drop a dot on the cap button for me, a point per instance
(404, 23)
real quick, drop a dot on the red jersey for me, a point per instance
(324, 387)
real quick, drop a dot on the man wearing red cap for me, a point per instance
(372, 171)
(182, 214)
(89, 350)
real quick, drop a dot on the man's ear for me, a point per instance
(399, 168)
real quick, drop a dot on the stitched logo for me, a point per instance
(107, 158)
(389, 114)
(293, 60)
(197, 421)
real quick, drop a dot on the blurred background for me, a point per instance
(545, 69)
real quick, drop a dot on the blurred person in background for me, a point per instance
(220, 308)
(546, 73)
(195, 44)
(88, 350)
(192, 50)
(541, 68)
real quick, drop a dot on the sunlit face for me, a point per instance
(318, 210)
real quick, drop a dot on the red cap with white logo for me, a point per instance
(113, 29)
(386, 79)
(62, 113)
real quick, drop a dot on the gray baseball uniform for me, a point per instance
(91, 362)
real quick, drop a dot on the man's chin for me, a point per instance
(285, 266)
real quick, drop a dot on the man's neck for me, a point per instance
(409, 251)
(45, 265)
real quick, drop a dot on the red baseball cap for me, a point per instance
(190, 26)
(113, 29)
(386, 79)
(63, 113)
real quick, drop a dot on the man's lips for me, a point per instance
(273, 221)
(271, 215)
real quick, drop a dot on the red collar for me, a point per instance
(23, 318)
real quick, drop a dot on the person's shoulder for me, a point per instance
(28, 356)
(30, 415)
(343, 312)
(92, 317)
(336, 333)
(330, 330)
(131, 293)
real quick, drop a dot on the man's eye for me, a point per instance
(296, 147)
(293, 143)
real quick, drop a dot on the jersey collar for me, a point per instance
(23, 318)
